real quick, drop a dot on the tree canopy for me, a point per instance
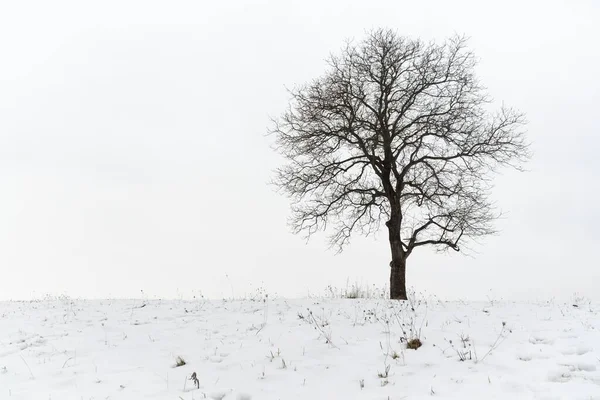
(397, 131)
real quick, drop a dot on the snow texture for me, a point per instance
(320, 348)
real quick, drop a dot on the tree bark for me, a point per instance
(398, 278)
(398, 263)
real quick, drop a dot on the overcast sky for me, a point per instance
(133, 154)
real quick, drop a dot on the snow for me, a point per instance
(315, 348)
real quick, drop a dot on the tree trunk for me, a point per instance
(398, 263)
(398, 279)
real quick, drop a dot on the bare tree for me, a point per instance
(401, 131)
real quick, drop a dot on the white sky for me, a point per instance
(133, 153)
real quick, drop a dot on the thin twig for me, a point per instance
(68, 359)
(32, 377)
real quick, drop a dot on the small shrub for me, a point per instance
(179, 362)
(414, 344)
(355, 292)
(385, 374)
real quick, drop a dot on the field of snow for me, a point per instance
(319, 348)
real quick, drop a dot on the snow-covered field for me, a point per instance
(325, 348)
